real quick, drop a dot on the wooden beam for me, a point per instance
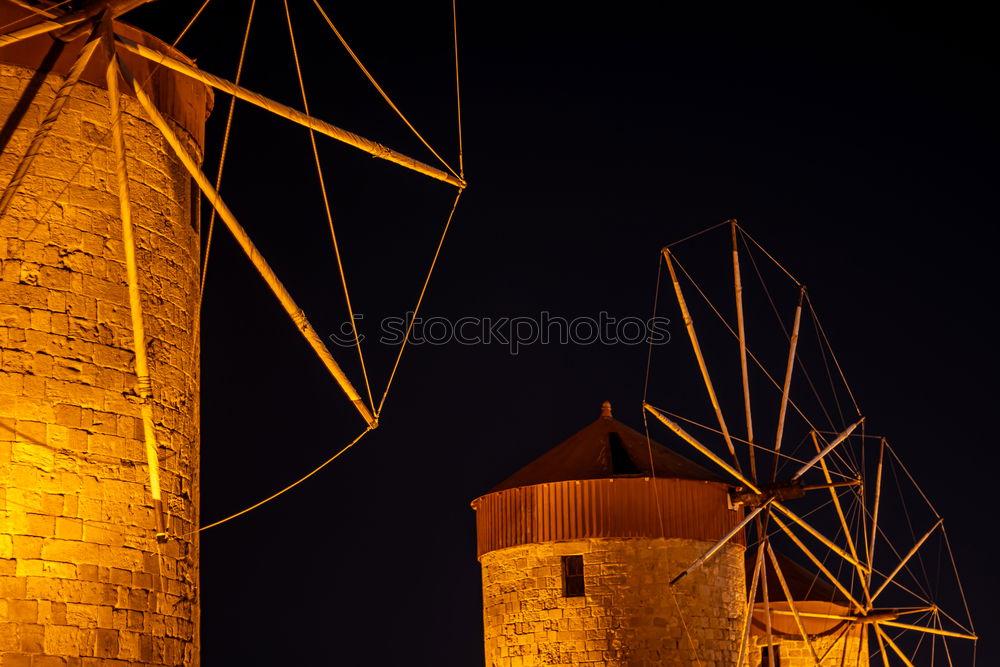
(291, 308)
(691, 440)
(693, 335)
(862, 575)
(819, 536)
(791, 603)
(793, 342)
(932, 631)
(817, 562)
(741, 335)
(373, 148)
(905, 560)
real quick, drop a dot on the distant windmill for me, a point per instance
(613, 549)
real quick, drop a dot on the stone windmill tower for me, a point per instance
(579, 547)
(82, 573)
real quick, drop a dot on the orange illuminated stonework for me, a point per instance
(83, 581)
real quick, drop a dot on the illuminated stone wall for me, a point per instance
(628, 617)
(835, 650)
(82, 579)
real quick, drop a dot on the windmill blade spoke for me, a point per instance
(767, 610)
(693, 336)
(144, 383)
(718, 545)
(791, 603)
(878, 500)
(895, 649)
(862, 575)
(818, 535)
(793, 342)
(371, 147)
(293, 310)
(741, 335)
(816, 561)
(691, 440)
(751, 598)
(902, 563)
(40, 28)
(931, 631)
(826, 450)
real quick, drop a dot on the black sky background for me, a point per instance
(856, 142)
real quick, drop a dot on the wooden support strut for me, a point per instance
(826, 450)
(817, 562)
(751, 596)
(862, 576)
(741, 334)
(293, 310)
(718, 545)
(902, 563)
(783, 408)
(898, 651)
(932, 631)
(791, 604)
(819, 536)
(371, 147)
(691, 440)
(689, 325)
(40, 28)
(144, 384)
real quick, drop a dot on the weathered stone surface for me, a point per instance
(630, 615)
(836, 649)
(82, 580)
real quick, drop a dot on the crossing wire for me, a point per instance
(385, 95)
(326, 207)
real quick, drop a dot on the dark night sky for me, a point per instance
(857, 143)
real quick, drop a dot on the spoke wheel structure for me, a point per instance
(128, 65)
(848, 562)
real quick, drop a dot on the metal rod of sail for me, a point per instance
(826, 450)
(691, 440)
(791, 603)
(862, 576)
(786, 387)
(144, 384)
(906, 559)
(40, 28)
(741, 334)
(293, 310)
(878, 498)
(55, 108)
(818, 535)
(932, 631)
(371, 147)
(881, 645)
(718, 545)
(751, 597)
(767, 610)
(888, 640)
(692, 334)
(817, 562)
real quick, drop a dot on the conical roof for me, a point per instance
(606, 448)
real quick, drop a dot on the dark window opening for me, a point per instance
(621, 462)
(194, 200)
(572, 567)
(765, 656)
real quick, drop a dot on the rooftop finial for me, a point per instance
(606, 410)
